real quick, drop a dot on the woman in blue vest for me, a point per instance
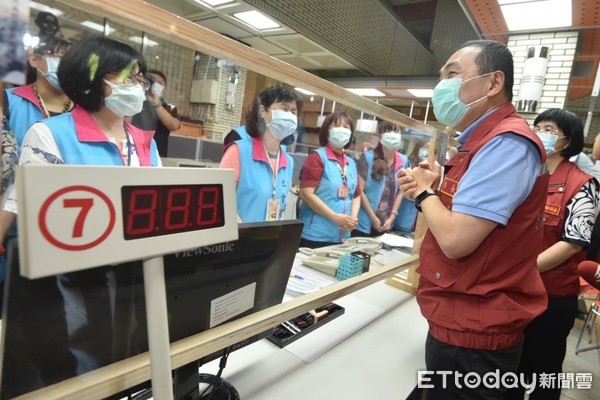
(105, 79)
(377, 176)
(262, 168)
(329, 186)
(43, 97)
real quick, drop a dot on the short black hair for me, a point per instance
(332, 119)
(159, 73)
(386, 126)
(569, 124)
(494, 56)
(82, 69)
(255, 124)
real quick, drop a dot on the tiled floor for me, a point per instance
(588, 361)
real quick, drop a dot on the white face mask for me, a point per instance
(125, 100)
(391, 140)
(339, 136)
(283, 123)
(158, 89)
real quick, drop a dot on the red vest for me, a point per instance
(565, 182)
(486, 299)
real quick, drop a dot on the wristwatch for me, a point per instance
(422, 196)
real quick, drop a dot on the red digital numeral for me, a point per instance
(207, 211)
(142, 216)
(180, 211)
(85, 205)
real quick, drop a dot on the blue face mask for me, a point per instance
(549, 141)
(339, 136)
(447, 106)
(51, 76)
(283, 123)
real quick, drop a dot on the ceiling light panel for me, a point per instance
(548, 14)
(367, 92)
(422, 93)
(256, 20)
(215, 3)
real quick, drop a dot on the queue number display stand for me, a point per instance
(87, 216)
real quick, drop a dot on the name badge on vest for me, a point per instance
(273, 210)
(343, 191)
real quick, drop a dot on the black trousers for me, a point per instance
(461, 361)
(545, 347)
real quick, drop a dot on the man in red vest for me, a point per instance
(479, 284)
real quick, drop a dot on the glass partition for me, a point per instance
(211, 91)
(213, 80)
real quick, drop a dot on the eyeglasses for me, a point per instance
(133, 80)
(549, 130)
(137, 80)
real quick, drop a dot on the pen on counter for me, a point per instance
(291, 326)
(290, 330)
(294, 275)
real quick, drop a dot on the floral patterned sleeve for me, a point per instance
(581, 215)
(10, 158)
(39, 146)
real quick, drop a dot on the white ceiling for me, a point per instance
(282, 43)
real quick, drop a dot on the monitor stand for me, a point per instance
(185, 382)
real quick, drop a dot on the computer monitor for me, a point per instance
(184, 147)
(299, 159)
(61, 326)
(211, 151)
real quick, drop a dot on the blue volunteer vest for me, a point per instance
(321, 229)
(374, 191)
(241, 130)
(255, 187)
(22, 114)
(406, 216)
(76, 152)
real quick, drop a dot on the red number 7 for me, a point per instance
(85, 205)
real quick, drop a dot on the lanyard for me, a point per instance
(275, 171)
(343, 171)
(129, 144)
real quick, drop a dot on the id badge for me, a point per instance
(343, 191)
(273, 210)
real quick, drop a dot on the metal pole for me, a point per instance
(158, 328)
(593, 98)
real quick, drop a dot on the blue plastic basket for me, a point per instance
(353, 264)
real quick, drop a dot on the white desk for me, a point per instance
(378, 361)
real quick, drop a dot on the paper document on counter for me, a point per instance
(303, 282)
(396, 241)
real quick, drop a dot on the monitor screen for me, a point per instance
(184, 147)
(211, 151)
(299, 159)
(58, 327)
